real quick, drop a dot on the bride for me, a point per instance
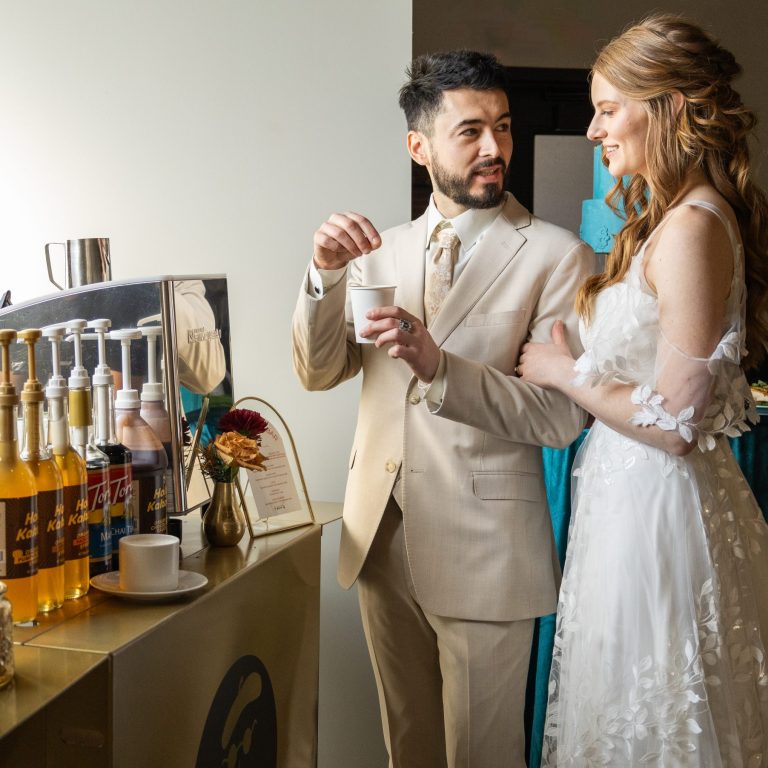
(662, 626)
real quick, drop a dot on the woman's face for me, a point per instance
(620, 124)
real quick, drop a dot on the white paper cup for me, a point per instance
(364, 298)
(149, 562)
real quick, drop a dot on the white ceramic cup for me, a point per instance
(149, 562)
(364, 298)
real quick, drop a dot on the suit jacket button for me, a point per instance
(390, 466)
(414, 399)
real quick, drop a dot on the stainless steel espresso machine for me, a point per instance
(189, 356)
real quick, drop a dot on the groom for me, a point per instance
(446, 528)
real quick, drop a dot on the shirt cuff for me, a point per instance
(321, 280)
(434, 391)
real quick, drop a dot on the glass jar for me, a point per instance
(6, 639)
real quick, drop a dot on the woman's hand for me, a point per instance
(547, 365)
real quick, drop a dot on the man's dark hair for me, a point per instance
(421, 97)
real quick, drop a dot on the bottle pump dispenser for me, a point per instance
(50, 487)
(153, 409)
(18, 500)
(96, 462)
(73, 473)
(120, 458)
(149, 459)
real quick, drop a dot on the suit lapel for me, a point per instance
(498, 247)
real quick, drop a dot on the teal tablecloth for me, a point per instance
(750, 450)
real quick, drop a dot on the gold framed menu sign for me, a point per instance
(272, 498)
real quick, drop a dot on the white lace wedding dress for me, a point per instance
(662, 624)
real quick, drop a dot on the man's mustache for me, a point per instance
(489, 164)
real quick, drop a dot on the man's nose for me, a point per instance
(489, 146)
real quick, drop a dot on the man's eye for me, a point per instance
(469, 132)
(503, 128)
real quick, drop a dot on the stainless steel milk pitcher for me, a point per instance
(86, 261)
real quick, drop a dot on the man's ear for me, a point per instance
(678, 101)
(418, 147)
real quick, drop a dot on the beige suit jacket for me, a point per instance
(477, 528)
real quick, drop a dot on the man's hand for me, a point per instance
(410, 340)
(344, 237)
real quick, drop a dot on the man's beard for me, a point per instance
(458, 189)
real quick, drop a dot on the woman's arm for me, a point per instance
(690, 267)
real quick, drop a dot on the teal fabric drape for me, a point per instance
(750, 450)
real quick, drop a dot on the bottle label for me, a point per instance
(121, 498)
(18, 537)
(99, 531)
(152, 497)
(76, 516)
(50, 511)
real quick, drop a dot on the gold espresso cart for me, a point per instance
(225, 677)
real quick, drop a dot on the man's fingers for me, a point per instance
(358, 229)
(366, 227)
(337, 239)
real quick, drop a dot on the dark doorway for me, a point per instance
(542, 101)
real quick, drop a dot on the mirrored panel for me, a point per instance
(185, 364)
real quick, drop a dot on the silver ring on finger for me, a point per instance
(405, 325)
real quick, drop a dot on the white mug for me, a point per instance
(149, 562)
(367, 297)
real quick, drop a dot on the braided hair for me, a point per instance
(650, 62)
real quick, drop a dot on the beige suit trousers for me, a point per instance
(451, 691)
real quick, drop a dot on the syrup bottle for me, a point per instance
(153, 409)
(96, 462)
(73, 473)
(149, 460)
(120, 458)
(18, 502)
(50, 487)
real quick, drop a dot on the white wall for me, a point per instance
(205, 136)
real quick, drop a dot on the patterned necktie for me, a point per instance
(439, 276)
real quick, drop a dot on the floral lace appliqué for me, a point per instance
(652, 413)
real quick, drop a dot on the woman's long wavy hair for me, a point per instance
(649, 62)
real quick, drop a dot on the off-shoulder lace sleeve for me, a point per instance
(699, 398)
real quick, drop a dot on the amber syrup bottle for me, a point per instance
(73, 474)
(96, 463)
(50, 487)
(18, 503)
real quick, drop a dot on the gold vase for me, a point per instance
(223, 521)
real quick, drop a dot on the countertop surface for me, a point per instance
(68, 643)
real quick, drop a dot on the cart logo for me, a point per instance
(241, 728)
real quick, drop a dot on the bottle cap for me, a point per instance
(126, 397)
(8, 394)
(102, 374)
(57, 385)
(152, 391)
(78, 376)
(33, 389)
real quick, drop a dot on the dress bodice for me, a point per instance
(624, 342)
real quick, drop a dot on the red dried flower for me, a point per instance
(244, 422)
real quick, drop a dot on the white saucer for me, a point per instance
(189, 582)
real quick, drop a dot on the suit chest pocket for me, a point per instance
(480, 320)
